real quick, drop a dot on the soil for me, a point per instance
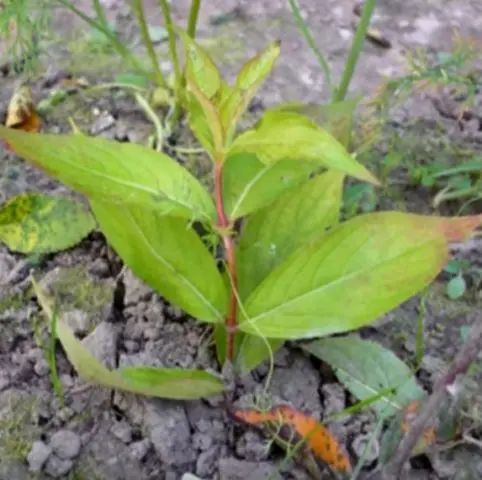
(111, 435)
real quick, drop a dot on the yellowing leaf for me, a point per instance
(281, 135)
(122, 173)
(352, 275)
(35, 223)
(178, 384)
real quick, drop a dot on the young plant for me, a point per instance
(291, 272)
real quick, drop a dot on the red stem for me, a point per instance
(224, 225)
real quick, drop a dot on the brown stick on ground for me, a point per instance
(432, 406)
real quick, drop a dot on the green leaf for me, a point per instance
(168, 255)
(454, 267)
(131, 79)
(249, 185)
(282, 135)
(336, 118)
(456, 287)
(200, 69)
(270, 235)
(36, 223)
(249, 80)
(123, 173)
(298, 216)
(204, 121)
(178, 384)
(366, 368)
(351, 275)
(171, 382)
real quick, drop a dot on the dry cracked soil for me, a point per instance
(110, 435)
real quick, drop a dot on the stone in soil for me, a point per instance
(38, 455)
(105, 456)
(299, 384)
(168, 429)
(102, 343)
(58, 467)
(65, 444)
(234, 469)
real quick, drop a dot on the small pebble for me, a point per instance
(38, 455)
(58, 467)
(122, 431)
(66, 444)
(139, 449)
(359, 445)
(41, 367)
(131, 346)
(67, 380)
(78, 321)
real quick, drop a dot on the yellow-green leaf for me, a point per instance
(283, 134)
(36, 223)
(249, 80)
(296, 217)
(249, 185)
(177, 384)
(200, 69)
(271, 234)
(336, 118)
(204, 121)
(122, 173)
(351, 275)
(168, 255)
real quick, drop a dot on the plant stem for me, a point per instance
(146, 38)
(224, 225)
(193, 16)
(310, 40)
(356, 47)
(178, 76)
(166, 12)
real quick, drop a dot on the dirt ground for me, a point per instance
(105, 435)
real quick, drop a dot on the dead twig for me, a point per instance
(433, 405)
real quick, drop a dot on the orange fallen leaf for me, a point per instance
(317, 437)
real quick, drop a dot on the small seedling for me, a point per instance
(286, 274)
(462, 272)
